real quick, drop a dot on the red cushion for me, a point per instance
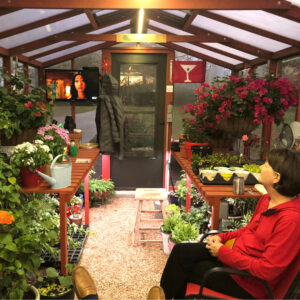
(193, 288)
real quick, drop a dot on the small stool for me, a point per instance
(148, 194)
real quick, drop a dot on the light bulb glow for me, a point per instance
(141, 20)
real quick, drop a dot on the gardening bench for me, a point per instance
(79, 174)
(212, 194)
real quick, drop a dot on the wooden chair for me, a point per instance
(288, 288)
(148, 194)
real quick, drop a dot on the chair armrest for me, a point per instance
(212, 232)
(224, 270)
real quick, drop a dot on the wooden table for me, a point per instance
(212, 194)
(79, 173)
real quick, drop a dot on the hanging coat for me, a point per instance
(110, 118)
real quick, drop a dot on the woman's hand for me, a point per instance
(213, 238)
(213, 247)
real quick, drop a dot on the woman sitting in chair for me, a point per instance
(264, 248)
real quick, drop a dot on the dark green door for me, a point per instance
(142, 81)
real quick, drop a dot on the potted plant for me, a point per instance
(73, 211)
(55, 286)
(29, 157)
(166, 229)
(55, 137)
(183, 232)
(21, 113)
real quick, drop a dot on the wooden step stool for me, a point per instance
(148, 194)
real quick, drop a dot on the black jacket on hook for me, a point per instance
(110, 118)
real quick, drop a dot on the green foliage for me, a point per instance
(35, 229)
(19, 111)
(170, 222)
(172, 208)
(184, 232)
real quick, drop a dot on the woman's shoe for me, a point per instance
(156, 293)
(83, 283)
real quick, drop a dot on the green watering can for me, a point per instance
(60, 174)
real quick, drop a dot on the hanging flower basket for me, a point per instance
(27, 135)
(237, 127)
(220, 144)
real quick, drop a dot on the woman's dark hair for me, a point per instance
(287, 163)
(74, 92)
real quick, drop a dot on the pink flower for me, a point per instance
(245, 137)
(48, 137)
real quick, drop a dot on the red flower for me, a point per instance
(28, 104)
(38, 114)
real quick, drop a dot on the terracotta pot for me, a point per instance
(30, 179)
(237, 126)
(27, 135)
(75, 219)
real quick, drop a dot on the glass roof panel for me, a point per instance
(178, 13)
(68, 51)
(47, 48)
(26, 16)
(238, 34)
(168, 28)
(276, 24)
(295, 2)
(231, 50)
(209, 53)
(108, 28)
(104, 12)
(44, 31)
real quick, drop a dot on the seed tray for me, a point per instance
(73, 254)
(219, 180)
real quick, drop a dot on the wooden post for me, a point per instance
(63, 198)
(86, 200)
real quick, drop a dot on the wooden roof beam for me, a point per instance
(104, 21)
(91, 18)
(72, 45)
(208, 47)
(5, 11)
(77, 54)
(199, 55)
(292, 14)
(249, 28)
(39, 23)
(189, 19)
(157, 16)
(153, 4)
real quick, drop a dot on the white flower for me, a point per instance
(39, 142)
(45, 148)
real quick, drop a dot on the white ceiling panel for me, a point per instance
(26, 16)
(68, 51)
(168, 28)
(210, 53)
(238, 34)
(47, 48)
(104, 12)
(231, 50)
(295, 2)
(257, 18)
(109, 28)
(178, 13)
(45, 31)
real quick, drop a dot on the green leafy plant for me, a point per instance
(184, 232)
(31, 155)
(172, 208)
(170, 222)
(19, 110)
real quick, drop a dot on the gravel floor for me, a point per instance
(120, 269)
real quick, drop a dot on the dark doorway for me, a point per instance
(142, 81)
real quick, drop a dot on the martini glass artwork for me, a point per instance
(187, 69)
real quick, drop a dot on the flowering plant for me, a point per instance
(74, 206)
(20, 110)
(250, 140)
(55, 137)
(261, 99)
(5, 217)
(31, 155)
